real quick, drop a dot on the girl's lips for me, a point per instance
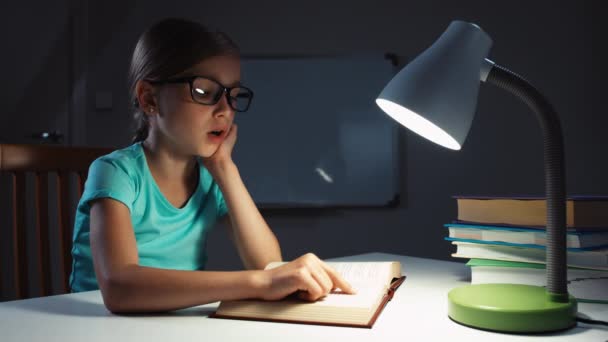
(216, 138)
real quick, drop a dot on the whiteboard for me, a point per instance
(314, 136)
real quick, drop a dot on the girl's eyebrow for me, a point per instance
(229, 85)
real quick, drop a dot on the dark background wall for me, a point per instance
(556, 45)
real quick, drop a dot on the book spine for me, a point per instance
(584, 259)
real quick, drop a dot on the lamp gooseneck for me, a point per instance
(555, 178)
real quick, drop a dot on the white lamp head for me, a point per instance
(435, 95)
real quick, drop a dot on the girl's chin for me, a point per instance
(206, 151)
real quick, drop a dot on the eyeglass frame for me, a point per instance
(190, 81)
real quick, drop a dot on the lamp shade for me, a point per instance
(435, 95)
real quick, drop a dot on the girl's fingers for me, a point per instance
(323, 279)
(309, 289)
(337, 279)
(233, 130)
(231, 137)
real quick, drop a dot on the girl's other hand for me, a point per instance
(223, 153)
(307, 275)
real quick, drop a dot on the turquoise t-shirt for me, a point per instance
(167, 237)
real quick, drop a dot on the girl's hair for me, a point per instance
(168, 48)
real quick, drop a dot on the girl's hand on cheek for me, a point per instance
(223, 153)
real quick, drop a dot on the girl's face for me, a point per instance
(187, 125)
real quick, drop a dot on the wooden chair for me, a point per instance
(42, 160)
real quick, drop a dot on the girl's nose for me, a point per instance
(222, 106)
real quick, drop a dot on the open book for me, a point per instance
(375, 283)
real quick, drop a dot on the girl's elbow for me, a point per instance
(114, 307)
(115, 294)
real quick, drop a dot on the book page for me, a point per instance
(364, 273)
(367, 296)
(370, 279)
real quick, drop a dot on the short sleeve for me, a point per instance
(108, 179)
(222, 209)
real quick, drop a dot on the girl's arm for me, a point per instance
(128, 287)
(255, 242)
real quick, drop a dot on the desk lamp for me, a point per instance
(435, 96)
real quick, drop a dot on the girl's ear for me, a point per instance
(146, 97)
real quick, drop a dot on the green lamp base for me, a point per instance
(511, 308)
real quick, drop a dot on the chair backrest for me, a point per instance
(42, 161)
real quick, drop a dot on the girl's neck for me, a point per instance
(166, 163)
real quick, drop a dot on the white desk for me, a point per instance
(418, 312)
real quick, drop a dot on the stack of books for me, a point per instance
(505, 240)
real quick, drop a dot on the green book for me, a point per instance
(587, 285)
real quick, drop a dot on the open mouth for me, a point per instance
(216, 133)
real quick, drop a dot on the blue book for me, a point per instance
(519, 236)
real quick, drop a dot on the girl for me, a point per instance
(141, 224)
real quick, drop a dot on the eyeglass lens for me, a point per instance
(206, 91)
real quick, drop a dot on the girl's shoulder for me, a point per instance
(128, 159)
(130, 154)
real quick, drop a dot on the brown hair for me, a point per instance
(168, 48)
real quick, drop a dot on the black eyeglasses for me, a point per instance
(208, 91)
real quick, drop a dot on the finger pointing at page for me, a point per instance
(338, 280)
